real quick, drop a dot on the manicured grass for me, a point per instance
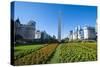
(54, 53)
(90, 45)
(38, 57)
(20, 51)
(78, 52)
(75, 52)
(56, 56)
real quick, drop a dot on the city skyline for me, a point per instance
(46, 16)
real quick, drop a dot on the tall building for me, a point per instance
(59, 27)
(85, 33)
(75, 33)
(45, 36)
(54, 37)
(89, 33)
(37, 34)
(80, 33)
(70, 35)
(26, 31)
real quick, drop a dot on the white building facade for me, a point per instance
(37, 34)
(85, 33)
(89, 33)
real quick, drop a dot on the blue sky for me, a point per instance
(46, 16)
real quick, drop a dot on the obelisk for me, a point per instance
(59, 26)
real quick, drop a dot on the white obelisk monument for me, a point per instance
(59, 27)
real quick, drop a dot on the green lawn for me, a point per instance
(40, 56)
(63, 53)
(20, 51)
(56, 56)
(75, 52)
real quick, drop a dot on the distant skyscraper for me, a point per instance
(37, 34)
(89, 33)
(71, 35)
(59, 27)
